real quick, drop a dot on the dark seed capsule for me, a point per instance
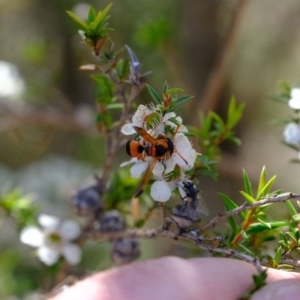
(111, 221)
(86, 201)
(125, 251)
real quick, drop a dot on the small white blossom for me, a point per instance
(139, 119)
(152, 119)
(291, 134)
(294, 102)
(53, 240)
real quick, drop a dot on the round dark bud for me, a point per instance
(86, 201)
(125, 251)
(111, 221)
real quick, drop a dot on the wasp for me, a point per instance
(188, 212)
(160, 148)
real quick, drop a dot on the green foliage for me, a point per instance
(212, 133)
(260, 280)
(169, 100)
(285, 93)
(19, 207)
(95, 28)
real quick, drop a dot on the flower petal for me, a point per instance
(48, 256)
(294, 103)
(32, 236)
(72, 253)
(291, 134)
(158, 169)
(139, 116)
(295, 93)
(138, 168)
(70, 230)
(48, 222)
(128, 129)
(170, 164)
(129, 162)
(160, 191)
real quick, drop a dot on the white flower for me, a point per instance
(291, 133)
(139, 119)
(294, 102)
(53, 240)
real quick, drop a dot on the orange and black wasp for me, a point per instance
(160, 148)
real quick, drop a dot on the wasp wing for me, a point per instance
(145, 135)
(144, 181)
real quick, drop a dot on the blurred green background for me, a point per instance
(49, 145)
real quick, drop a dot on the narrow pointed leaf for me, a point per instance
(267, 188)
(291, 207)
(154, 94)
(262, 181)
(278, 255)
(91, 15)
(174, 91)
(165, 88)
(101, 15)
(249, 198)
(292, 236)
(182, 100)
(247, 184)
(264, 223)
(78, 20)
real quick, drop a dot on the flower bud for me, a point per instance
(125, 251)
(111, 221)
(86, 201)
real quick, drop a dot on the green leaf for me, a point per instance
(154, 94)
(266, 189)
(278, 255)
(78, 20)
(292, 236)
(259, 227)
(218, 119)
(165, 88)
(175, 121)
(264, 223)
(192, 134)
(182, 100)
(262, 181)
(235, 140)
(101, 15)
(229, 205)
(115, 106)
(296, 218)
(247, 183)
(234, 114)
(91, 15)
(291, 207)
(174, 91)
(248, 197)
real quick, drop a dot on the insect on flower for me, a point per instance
(160, 148)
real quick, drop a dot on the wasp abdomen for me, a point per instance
(134, 148)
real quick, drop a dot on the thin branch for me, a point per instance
(191, 236)
(246, 206)
(231, 252)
